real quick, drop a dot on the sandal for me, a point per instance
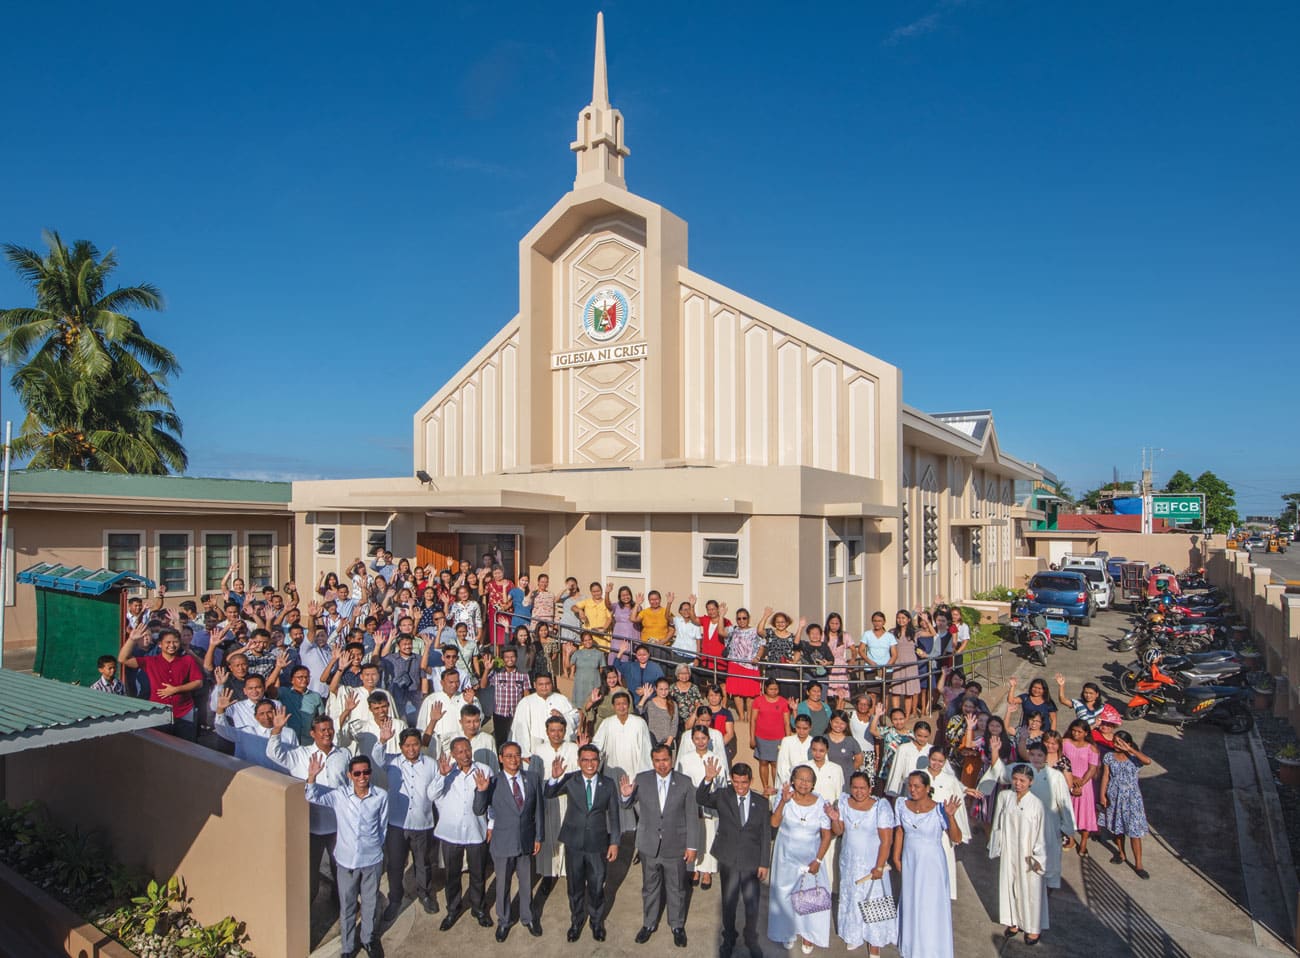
(1142, 873)
(1010, 932)
(1117, 859)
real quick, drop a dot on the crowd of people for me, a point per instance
(422, 708)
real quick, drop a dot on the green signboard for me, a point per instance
(1178, 510)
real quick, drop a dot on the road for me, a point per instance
(1194, 905)
(1285, 566)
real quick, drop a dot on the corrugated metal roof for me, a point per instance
(36, 711)
(62, 578)
(72, 483)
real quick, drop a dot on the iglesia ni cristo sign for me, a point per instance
(602, 354)
(603, 318)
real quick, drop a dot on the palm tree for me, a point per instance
(93, 385)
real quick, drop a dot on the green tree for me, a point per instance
(1220, 501)
(1291, 510)
(1180, 482)
(93, 384)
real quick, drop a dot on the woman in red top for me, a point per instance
(771, 724)
(715, 625)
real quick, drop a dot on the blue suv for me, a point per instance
(1064, 593)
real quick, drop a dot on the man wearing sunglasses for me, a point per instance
(362, 814)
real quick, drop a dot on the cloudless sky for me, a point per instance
(1081, 216)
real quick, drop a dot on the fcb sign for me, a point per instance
(1178, 509)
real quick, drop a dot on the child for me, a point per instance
(889, 738)
(108, 681)
(909, 757)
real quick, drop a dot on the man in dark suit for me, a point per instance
(741, 847)
(512, 803)
(668, 834)
(590, 833)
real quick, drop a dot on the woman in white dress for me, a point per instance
(1017, 839)
(802, 822)
(948, 786)
(924, 911)
(867, 826)
(694, 762)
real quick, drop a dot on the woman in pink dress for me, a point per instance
(498, 605)
(841, 646)
(1085, 765)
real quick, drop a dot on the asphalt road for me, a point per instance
(1195, 903)
(1285, 566)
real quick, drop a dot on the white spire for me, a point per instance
(599, 144)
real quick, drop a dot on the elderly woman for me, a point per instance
(803, 823)
(685, 693)
(867, 827)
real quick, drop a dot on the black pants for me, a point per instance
(453, 858)
(317, 846)
(586, 878)
(737, 885)
(399, 843)
(501, 728)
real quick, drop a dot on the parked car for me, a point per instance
(1064, 593)
(1099, 584)
(1114, 566)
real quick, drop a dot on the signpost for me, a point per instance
(1178, 510)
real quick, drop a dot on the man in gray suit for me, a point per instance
(512, 803)
(668, 835)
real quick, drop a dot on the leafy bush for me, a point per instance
(999, 593)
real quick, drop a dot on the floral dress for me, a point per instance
(780, 650)
(688, 701)
(1125, 812)
(498, 599)
(742, 649)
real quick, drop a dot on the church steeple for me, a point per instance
(599, 145)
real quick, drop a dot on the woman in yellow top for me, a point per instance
(595, 615)
(654, 620)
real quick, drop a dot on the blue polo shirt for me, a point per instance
(634, 676)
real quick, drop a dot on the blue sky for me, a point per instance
(1081, 216)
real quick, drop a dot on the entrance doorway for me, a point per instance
(444, 550)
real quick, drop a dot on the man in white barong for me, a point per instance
(439, 717)
(1050, 788)
(550, 860)
(529, 726)
(946, 785)
(624, 743)
(1016, 837)
(910, 757)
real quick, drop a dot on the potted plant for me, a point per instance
(1263, 687)
(1288, 765)
(1250, 656)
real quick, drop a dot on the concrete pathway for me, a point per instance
(1195, 904)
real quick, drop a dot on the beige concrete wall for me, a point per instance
(236, 834)
(1179, 551)
(79, 538)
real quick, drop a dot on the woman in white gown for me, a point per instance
(1017, 839)
(924, 910)
(802, 822)
(948, 786)
(867, 827)
(691, 763)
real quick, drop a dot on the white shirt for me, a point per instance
(241, 714)
(317, 660)
(250, 740)
(296, 759)
(662, 782)
(448, 726)
(686, 638)
(362, 823)
(410, 789)
(454, 796)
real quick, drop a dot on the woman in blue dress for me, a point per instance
(867, 825)
(802, 823)
(1125, 815)
(924, 907)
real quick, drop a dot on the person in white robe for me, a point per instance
(947, 786)
(1050, 788)
(355, 700)
(910, 757)
(624, 743)
(528, 729)
(550, 859)
(1016, 838)
(717, 743)
(695, 762)
(795, 750)
(481, 744)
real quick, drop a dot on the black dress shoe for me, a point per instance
(534, 928)
(373, 948)
(644, 934)
(574, 932)
(449, 921)
(679, 937)
(755, 951)
(502, 931)
(484, 919)
(430, 906)
(598, 932)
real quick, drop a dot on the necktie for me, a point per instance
(744, 812)
(519, 793)
(588, 794)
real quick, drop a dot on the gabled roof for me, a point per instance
(35, 712)
(969, 433)
(975, 424)
(1105, 522)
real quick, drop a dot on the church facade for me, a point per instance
(641, 423)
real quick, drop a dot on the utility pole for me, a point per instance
(1148, 470)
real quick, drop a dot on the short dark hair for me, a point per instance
(377, 698)
(741, 769)
(104, 660)
(802, 718)
(408, 733)
(466, 711)
(321, 720)
(358, 760)
(369, 665)
(661, 747)
(589, 748)
(556, 720)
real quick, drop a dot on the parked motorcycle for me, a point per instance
(1032, 632)
(1161, 699)
(1188, 671)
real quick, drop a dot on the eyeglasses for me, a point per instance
(359, 774)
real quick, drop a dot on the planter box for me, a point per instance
(990, 612)
(35, 923)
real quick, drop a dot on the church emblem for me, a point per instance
(606, 314)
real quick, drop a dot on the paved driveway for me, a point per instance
(1191, 906)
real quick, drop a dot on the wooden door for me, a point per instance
(438, 549)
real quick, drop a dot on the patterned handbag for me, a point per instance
(882, 907)
(809, 901)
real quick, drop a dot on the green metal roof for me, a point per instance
(35, 712)
(69, 483)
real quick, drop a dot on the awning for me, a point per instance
(36, 712)
(80, 579)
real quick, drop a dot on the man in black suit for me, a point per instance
(668, 835)
(512, 803)
(590, 833)
(741, 847)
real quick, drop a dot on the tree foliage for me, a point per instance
(1180, 482)
(1291, 510)
(94, 386)
(1220, 501)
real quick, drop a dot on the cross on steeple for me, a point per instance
(599, 145)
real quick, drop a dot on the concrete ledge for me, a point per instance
(33, 922)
